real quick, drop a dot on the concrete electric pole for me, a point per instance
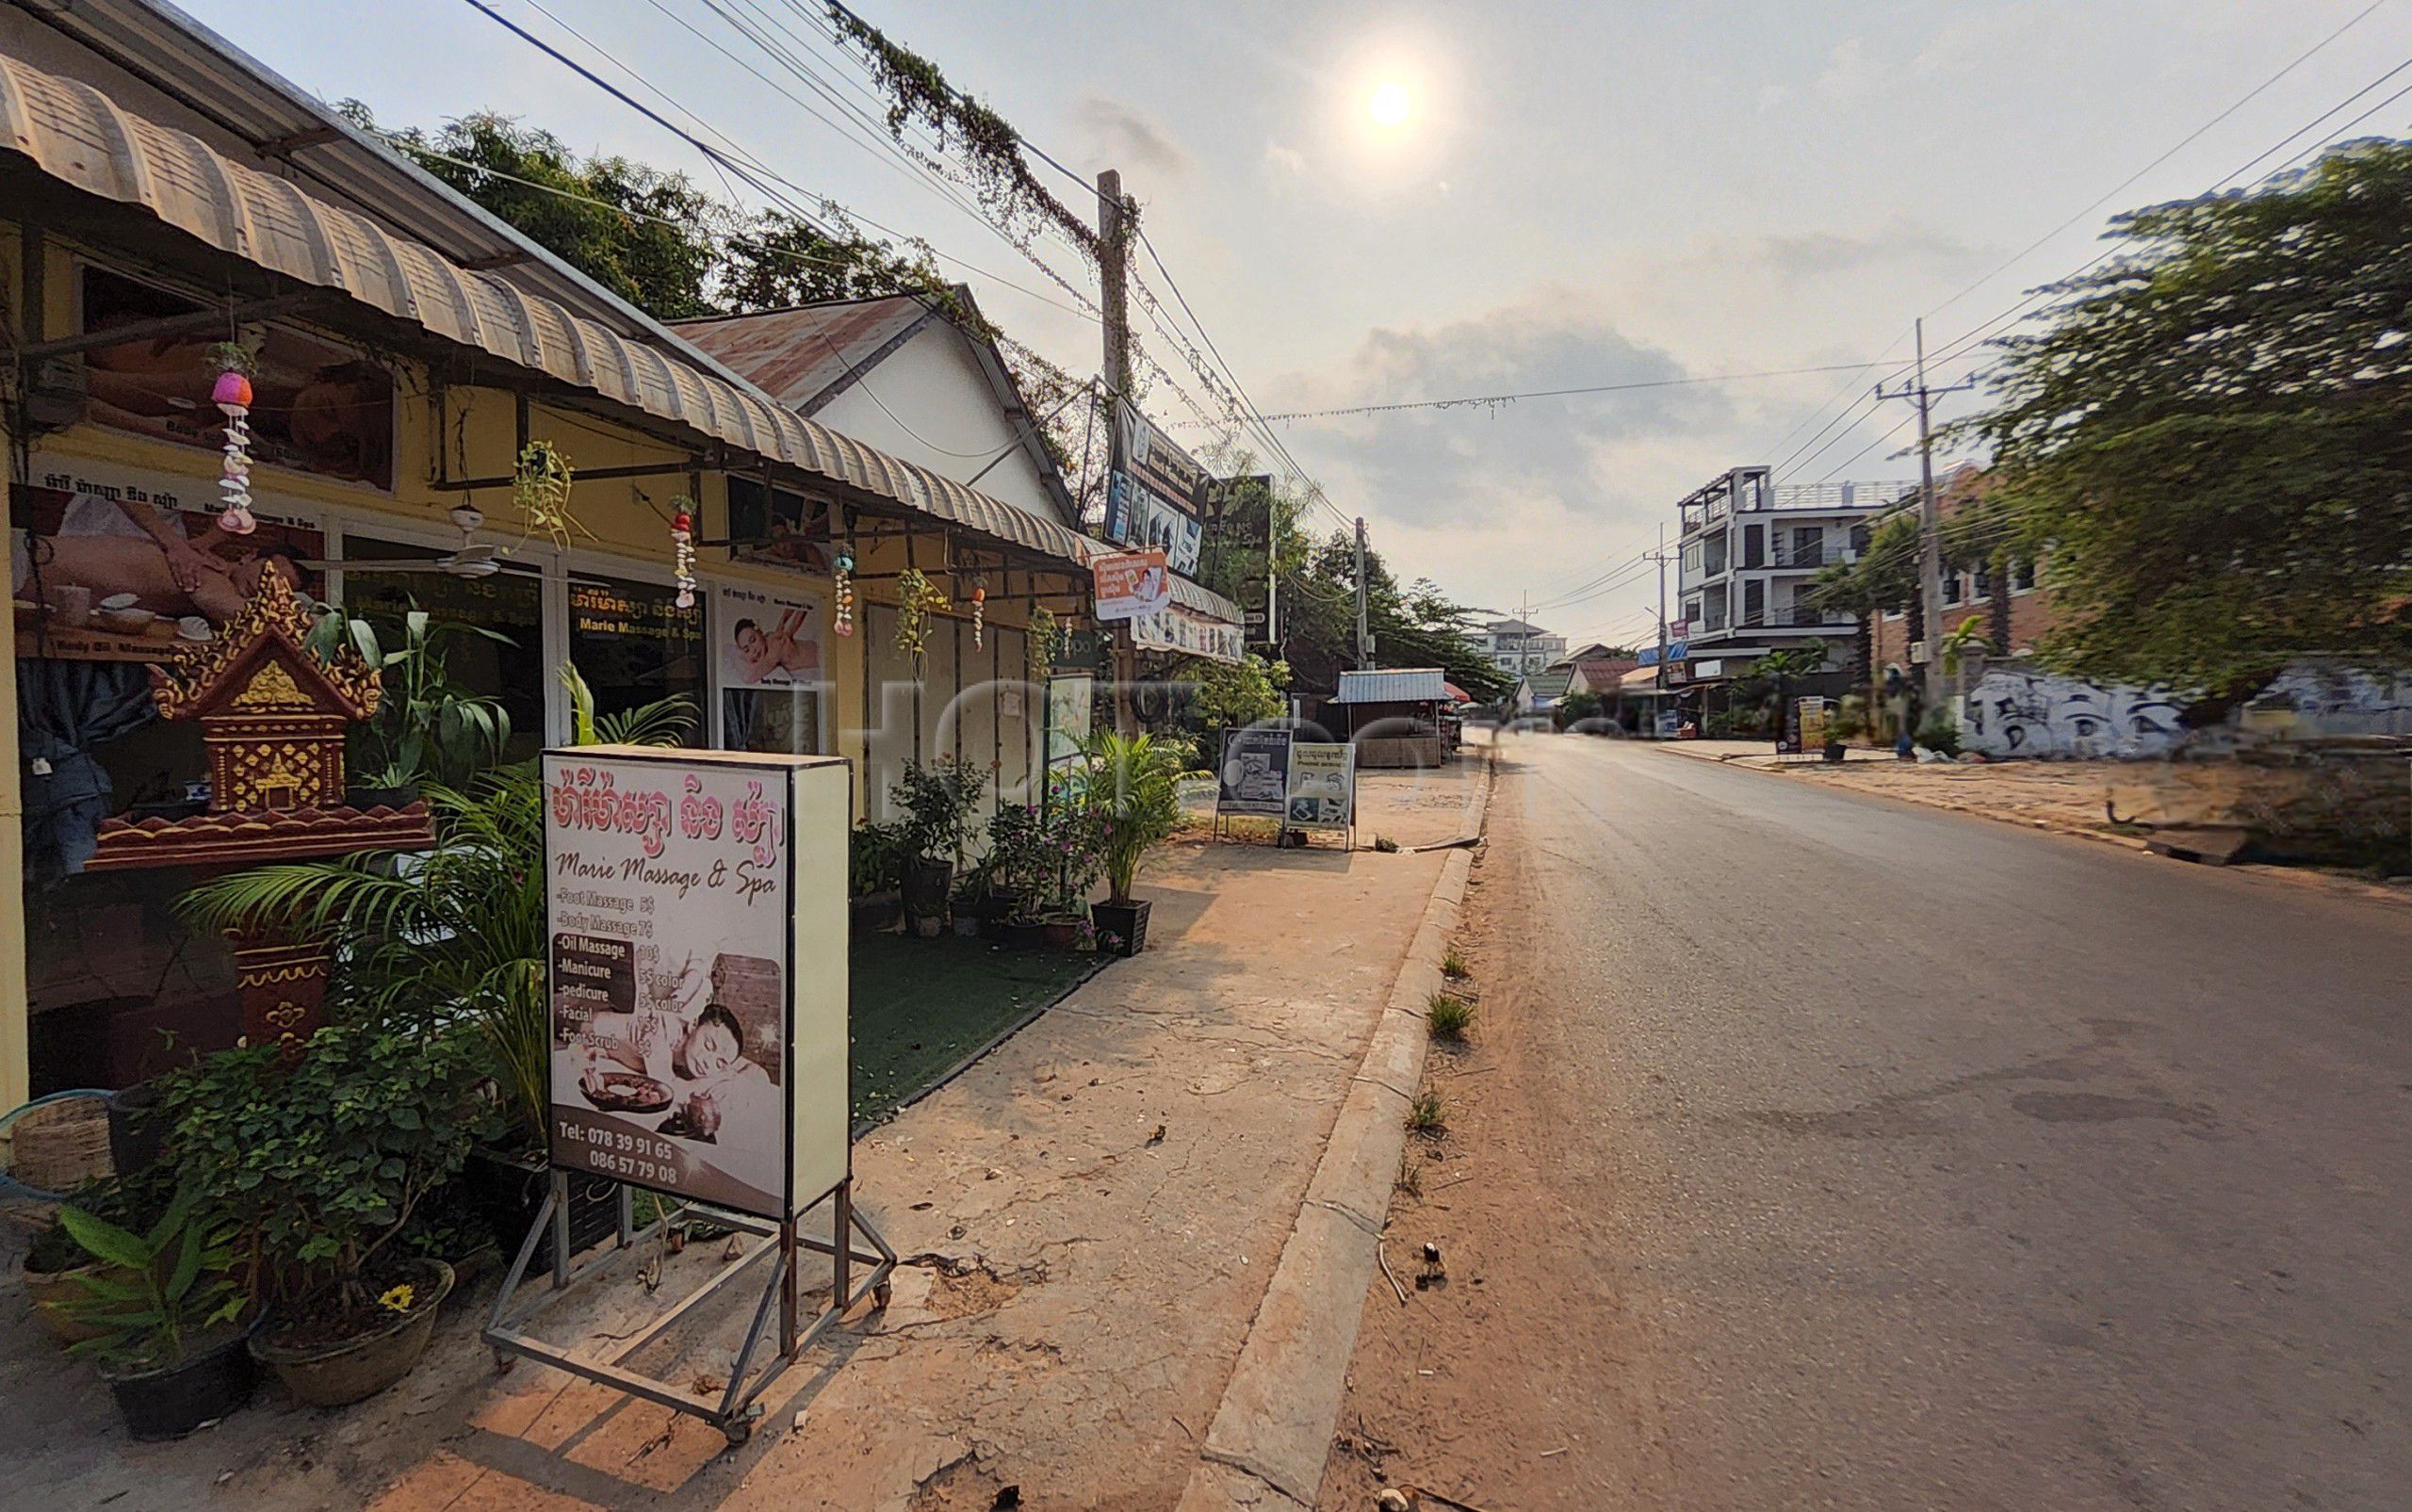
(1112, 259)
(1929, 518)
(1365, 635)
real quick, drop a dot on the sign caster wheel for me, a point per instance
(879, 1296)
(503, 1362)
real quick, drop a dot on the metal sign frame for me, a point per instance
(509, 1324)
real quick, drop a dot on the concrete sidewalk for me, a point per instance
(1091, 1217)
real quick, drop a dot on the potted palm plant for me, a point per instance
(164, 1310)
(458, 935)
(1129, 789)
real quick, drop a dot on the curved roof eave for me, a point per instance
(79, 137)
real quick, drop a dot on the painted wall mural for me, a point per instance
(2013, 712)
(2040, 715)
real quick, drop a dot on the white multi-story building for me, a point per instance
(1516, 648)
(1751, 550)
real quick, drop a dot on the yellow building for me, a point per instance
(160, 193)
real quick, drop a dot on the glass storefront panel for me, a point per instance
(635, 646)
(507, 663)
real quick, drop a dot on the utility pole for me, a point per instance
(1364, 636)
(1659, 556)
(1111, 258)
(1929, 517)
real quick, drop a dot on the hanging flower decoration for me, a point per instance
(844, 574)
(1045, 638)
(979, 610)
(682, 547)
(231, 394)
(540, 487)
(917, 600)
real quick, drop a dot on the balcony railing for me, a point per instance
(1795, 617)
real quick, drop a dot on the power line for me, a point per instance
(2181, 144)
(1474, 399)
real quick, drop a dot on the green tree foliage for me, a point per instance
(656, 239)
(1231, 694)
(2214, 433)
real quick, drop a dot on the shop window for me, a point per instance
(506, 662)
(635, 646)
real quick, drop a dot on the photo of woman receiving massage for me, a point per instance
(693, 1069)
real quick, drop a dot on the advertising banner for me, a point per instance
(695, 905)
(1132, 584)
(1323, 785)
(317, 407)
(1191, 634)
(766, 640)
(118, 563)
(1137, 515)
(1255, 772)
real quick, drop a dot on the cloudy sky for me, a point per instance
(1581, 193)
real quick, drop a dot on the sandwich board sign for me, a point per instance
(696, 985)
(1323, 785)
(1254, 773)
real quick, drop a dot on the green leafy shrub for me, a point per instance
(938, 798)
(875, 856)
(318, 1160)
(1940, 732)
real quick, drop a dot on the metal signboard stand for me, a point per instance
(735, 1410)
(731, 851)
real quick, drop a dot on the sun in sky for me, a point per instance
(1390, 104)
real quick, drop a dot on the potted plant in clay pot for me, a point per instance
(319, 1162)
(937, 799)
(1130, 788)
(1070, 857)
(875, 868)
(169, 1343)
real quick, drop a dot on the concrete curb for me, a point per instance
(1272, 1434)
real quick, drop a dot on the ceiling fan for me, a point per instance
(471, 558)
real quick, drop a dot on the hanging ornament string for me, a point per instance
(682, 549)
(979, 610)
(231, 394)
(843, 578)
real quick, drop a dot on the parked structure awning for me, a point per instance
(79, 137)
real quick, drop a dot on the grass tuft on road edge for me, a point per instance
(1428, 1114)
(1448, 1017)
(1453, 966)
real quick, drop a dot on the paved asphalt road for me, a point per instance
(1932, 1162)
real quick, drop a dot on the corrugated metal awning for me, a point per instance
(78, 136)
(1204, 600)
(1414, 685)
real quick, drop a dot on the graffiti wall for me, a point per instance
(2019, 714)
(2324, 698)
(2037, 715)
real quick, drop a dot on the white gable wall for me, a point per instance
(943, 408)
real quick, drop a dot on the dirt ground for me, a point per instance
(1435, 1388)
